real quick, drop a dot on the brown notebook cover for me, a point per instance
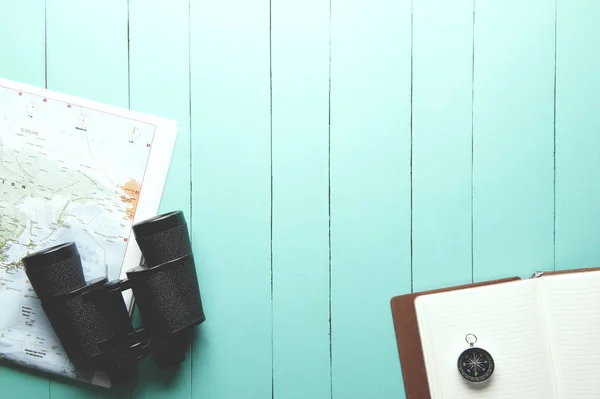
(409, 340)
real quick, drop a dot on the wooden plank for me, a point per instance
(23, 56)
(370, 192)
(231, 197)
(442, 138)
(87, 57)
(160, 29)
(577, 139)
(513, 138)
(300, 62)
(23, 60)
(87, 49)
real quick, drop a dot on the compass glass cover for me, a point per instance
(476, 365)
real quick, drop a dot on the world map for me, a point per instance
(67, 173)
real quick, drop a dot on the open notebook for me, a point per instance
(543, 333)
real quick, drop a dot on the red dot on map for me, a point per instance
(125, 239)
(20, 93)
(45, 99)
(68, 105)
(137, 192)
(148, 145)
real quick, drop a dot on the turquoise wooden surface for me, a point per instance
(300, 212)
(513, 138)
(231, 197)
(370, 191)
(442, 143)
(577, 127)
(332, 155)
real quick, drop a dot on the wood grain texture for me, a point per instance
(370, 192)
(87, 57)
(442, 138)
(231, 197)
(23, 60)
(513, 138)
(159, 84)
(577, 138)
(300, 84)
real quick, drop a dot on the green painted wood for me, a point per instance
(442, 138)
(577, 128)
(270, 331)
(370, 192)
(23, 61)
(160, 29)
(231, 197)
(87, 49)
(23, 56)
(87, 57)
(300, 61)
(513, 138)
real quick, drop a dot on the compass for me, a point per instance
(475, 365)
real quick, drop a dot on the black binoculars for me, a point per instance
(91, 319)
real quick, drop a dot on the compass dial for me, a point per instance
(476, 365)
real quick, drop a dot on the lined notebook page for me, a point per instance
(509, 323)
(572, 306)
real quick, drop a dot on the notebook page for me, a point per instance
(572, 307)
(508, 321)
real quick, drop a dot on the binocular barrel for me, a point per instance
(166, 287)
(90, 318)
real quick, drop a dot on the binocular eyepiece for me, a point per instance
(90, 318)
